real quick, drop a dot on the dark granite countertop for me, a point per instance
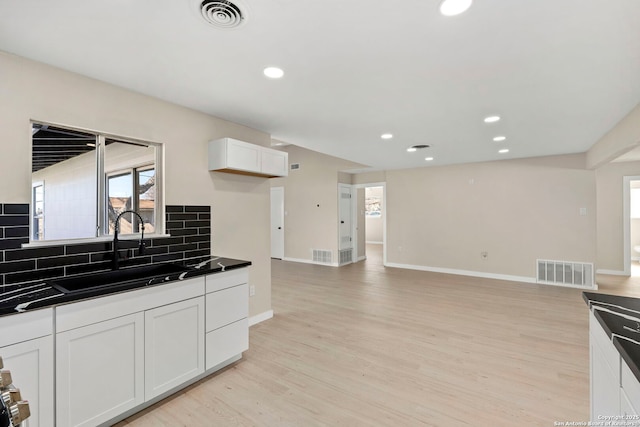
(14, 299)
(618, 322)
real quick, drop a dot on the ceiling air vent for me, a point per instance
(221, 14)
(295, 166)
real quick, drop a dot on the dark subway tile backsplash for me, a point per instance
(190, 242)
(16, 209)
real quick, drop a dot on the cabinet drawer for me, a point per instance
(25, 326)
(226, 306)
(227, 342)
(96, 310)
(228, 279)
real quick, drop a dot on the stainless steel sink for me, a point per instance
(119, 278)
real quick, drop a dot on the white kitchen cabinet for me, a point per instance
(117, 354)
(100, 370)
(227, 306)
(626, 407)
(629, 392)
(174, 345)
(227, 342)
(274, 162)
(233, 156)
(26, 346)
(605, 372)
(31, 366)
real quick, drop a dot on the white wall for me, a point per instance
(517, 211)
(240, 204)
(311, 202)
(609, 183)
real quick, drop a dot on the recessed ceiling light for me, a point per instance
(428, 159)
(499, 138)
(411, 149)
(491, 119)
(273, 72)
(454, 7)
(386, 136)
(504, 150)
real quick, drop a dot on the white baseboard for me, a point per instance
(308, 261)
(511, 278)
(612, 272)
(362, 258)
(254, 320)
(373, 243)
(522, 279)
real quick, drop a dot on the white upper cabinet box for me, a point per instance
(231, 155)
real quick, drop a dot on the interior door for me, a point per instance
(277, 222)
(345, 216)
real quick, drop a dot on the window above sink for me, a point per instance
(82, 180)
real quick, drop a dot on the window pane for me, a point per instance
(66, 161)
(147, 198)
(120, 197)
(38, 212)
(130, 159)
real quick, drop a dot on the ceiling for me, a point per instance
(559, 73)
(51, 145)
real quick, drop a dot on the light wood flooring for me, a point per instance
(365, 345)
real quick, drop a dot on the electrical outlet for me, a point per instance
(484, 255)
(252, 290)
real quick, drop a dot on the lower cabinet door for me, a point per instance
(174, 345)
(626, 408)
(31, 366)
(100, 371)
(227, 342)
(605, 386)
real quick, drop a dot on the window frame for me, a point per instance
(101, 204)
(134, 172)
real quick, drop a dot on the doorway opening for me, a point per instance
(371, 221)
(631, 213)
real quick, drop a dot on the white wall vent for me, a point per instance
(566, 273)
(321, 256)
(294, 166)
(346, 256)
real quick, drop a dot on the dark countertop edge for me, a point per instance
(629, 351)
(211, 268)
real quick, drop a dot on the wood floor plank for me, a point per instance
(365, 345)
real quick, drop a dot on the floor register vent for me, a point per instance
(346, 256)
(566, 273)
(321, 256)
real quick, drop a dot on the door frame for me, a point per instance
(384, 222)
(352, 206)
(626, 221)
